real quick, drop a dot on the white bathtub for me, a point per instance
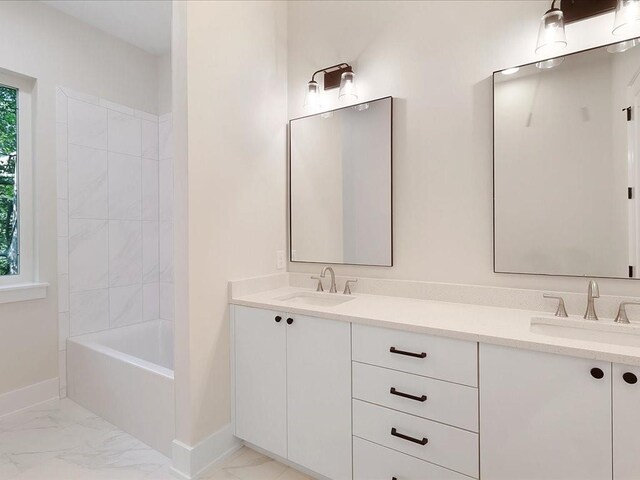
(125, 375)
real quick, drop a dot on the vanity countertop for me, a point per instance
(495, 325)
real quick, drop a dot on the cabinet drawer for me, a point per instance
(446, 446)
(373, 462)
(436, 357)
(428, 398)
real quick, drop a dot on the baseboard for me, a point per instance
(28, 396)
(191, 461)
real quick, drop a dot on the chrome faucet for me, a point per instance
(592, 292)
(326, 269)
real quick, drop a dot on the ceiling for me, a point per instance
(143, 23)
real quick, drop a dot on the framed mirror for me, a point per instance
(566, 177)
(340, 185)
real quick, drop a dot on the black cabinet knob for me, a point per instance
(597, 373)
(278, 318)
(289, 321)
(630, 378)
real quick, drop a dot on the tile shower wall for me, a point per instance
(114, 217)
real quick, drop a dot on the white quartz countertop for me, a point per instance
(495, 325)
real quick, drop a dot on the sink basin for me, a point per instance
(311, 299)
(577, 328)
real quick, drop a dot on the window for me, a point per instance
(9, 244)
(16, 189)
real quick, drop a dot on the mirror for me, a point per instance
(566, 144)
(340, 185)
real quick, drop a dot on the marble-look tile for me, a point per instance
(125, 253)
(87, 183)
(150, 199)
(87, 124)
(63, 293)
(63, 255)
(63, 330)
(150, 252)
(149, 139)
(246, 464)
(61, 441)
(63, 217)
(165, 138)
(124, 134)
(61, 106)
(62, 142)
(146, 116)
(84, 97)
(62, 370)
(165, 186)
(125, 187)
(89, 311)
(151, 301)
(62, 180)
(88, 254)
(125, 305)
(117, 107)
(166, 252)
(166, 301)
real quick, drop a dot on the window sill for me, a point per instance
(23, 292)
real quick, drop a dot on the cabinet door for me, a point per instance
(319, 395)
(543, 416)
(626, 422)
(260, 378)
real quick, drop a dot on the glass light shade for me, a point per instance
(312, 99)
(552, 62)
(511, 71)
(627, 18)
(348, 90)
(551, 36)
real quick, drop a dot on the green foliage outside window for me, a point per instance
(8, 187)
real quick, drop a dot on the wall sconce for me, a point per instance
(340, 75)
(551, 35)
(627, 17)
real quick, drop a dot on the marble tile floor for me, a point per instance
(59, 440)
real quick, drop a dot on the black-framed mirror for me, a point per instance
(566, 178)
(340, 205)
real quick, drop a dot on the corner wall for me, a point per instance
(229, 87)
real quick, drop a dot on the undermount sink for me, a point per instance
(577, 328)
(315, 299)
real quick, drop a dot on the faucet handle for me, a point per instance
(347, 288)
(622, 312)
(319, 288)
(561, 311)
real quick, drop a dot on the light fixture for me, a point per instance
(510, 71)
(551, 36)
(348, 91)
(552, 62)
(312, 99)
(623, 46)
(627, 17)
(340, 75)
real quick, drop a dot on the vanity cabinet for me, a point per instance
(544, 416)
(626, 422)
(293, 388)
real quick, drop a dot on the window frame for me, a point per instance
(26, 218)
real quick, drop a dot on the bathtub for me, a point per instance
(125, 375)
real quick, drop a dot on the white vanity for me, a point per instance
(383, 387)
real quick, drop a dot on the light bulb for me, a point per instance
(312, 99)
(551, 36)
(348, 91)
(511, 71)
(547, 64)
(623, 46)
(627, 18)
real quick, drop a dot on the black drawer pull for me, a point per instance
(394, 478)
(395, 433)
(408, 354)
(422, 398)
(289, 321)
(278, 318)
(630, 378)
(597, 373)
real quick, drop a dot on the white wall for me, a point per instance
(55, 49)
(229, 111)
(436, 58)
